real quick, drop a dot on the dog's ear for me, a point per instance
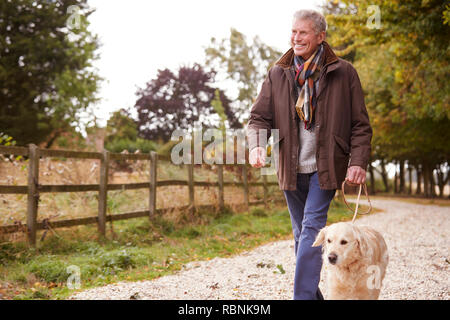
(361, 241)
(320, 239)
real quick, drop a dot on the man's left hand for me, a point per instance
(356, 175)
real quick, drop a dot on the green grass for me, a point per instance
(138, 249)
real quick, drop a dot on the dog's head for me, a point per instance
(342, 243)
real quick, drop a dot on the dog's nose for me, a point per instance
(332, 257)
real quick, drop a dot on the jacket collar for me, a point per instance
(287, 59)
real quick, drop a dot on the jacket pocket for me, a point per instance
(343, 145)
(341, 159)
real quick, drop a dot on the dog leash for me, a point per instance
(357, 200)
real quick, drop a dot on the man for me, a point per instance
(316, 102)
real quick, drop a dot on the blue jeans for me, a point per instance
(308, 207)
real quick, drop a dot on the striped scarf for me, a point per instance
(307, 72)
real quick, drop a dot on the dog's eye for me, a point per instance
(329, 241)
(343, 241)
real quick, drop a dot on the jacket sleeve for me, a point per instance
(261, 117)
(361, 134)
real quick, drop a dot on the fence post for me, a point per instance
(103, 193)
(244, 177)
(33, 193)
(220, 180)
(265, 190)
(190, 168)
(153, 182)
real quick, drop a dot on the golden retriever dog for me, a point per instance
(355, 258)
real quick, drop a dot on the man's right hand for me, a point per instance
(257, 157)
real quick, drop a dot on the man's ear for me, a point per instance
(322, 36)
(320, 239)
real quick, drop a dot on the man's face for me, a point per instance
(304, 39)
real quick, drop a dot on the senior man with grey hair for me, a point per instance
(316, 102)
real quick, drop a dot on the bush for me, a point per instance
(49, 270)
(119, 145)
(117, 261)
(165, 226)
(189, 232)
(258, 212)
(7, 252)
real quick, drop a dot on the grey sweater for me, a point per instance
(307, 154)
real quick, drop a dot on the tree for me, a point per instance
(338, 36)
(177, 101)
(402, 65)
(122, 134)
(46, 75)
(414, 34)
(121, 125)
(216, 103)
(244, 63)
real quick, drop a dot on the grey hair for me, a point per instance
(320, 24)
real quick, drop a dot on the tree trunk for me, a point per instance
(432, 183)
(448, 179)
(395, 179)
(384, 176)
(402, 176)
(419, 179)
(410, 179)
(426, 188)
(372, 179)
(441, 181)
(55, 135)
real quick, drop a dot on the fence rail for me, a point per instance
(33, 189)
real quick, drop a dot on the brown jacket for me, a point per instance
(343, 130)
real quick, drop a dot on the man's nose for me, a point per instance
(332, 257)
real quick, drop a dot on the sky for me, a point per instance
(139, 37)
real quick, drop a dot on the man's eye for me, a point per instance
(343, 241)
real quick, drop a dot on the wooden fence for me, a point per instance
(34, 189)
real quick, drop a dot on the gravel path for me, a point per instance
(418, 239)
